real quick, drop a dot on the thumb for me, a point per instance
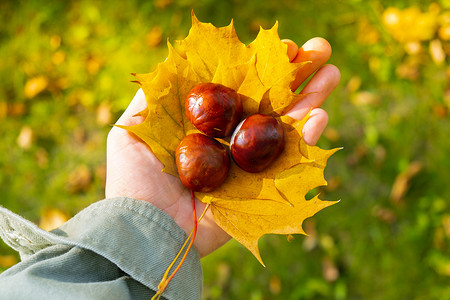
(136, 105)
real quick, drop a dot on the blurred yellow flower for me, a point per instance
(437, 52)
(162, 3)
(444, 32)
(52, 218)
(354, 84)
(104, 115)
(58, 57)
(413, 48)
(154, 37)
(444, 23)
(365, 98)
(93, 65)
(367, 34)
(7, 261)
(25, 138)
(35, 85)
(80, 179)
(410, 24)
(55, 41)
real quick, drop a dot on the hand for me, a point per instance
(324, 81)
(133, 171)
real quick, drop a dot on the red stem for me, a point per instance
(192, 239)
(163, 284)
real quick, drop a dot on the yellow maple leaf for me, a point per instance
(246, 205)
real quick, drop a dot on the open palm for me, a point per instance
(133, 171)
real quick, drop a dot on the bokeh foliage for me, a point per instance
(64, 73)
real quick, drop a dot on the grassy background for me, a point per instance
(64, 78)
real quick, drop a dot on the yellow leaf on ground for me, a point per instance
(7, 261)
(25, 138)
(35, 85)
(52, 218)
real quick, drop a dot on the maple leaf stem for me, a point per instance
(165, 280)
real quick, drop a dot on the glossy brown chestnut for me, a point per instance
(202, 162)
(214, 109)
(257, 142)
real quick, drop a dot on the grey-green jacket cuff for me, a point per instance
(134, 235)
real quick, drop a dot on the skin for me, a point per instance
(133, 171)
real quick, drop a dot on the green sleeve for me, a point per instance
(114, 249)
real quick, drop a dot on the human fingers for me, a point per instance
(316, 91)
(313, 128)
(292, 49)
(136, 105)
(118, 138)
(317, 50)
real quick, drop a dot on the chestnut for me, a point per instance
(214, 109)
(202, 162)
(257, 142)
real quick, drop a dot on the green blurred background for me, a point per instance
(65, 78)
